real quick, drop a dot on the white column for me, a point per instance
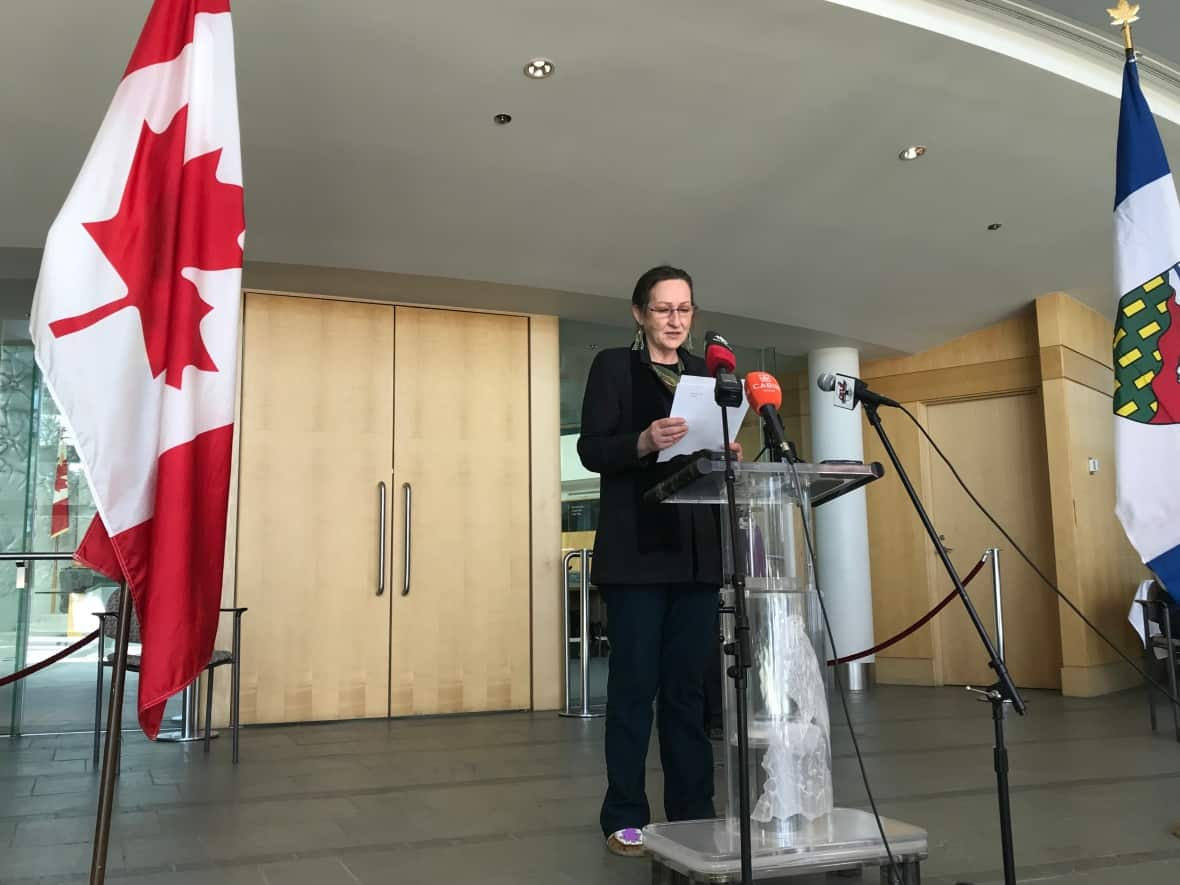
(842, 525)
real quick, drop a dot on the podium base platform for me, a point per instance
(706, 851)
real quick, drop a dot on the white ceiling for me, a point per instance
(754, 143)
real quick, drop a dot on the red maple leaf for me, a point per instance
(174, 215)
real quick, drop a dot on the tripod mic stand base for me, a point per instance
(845, 839)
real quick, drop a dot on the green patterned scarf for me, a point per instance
(669, 375)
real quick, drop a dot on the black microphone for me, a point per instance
(720, 363)
(850, 391)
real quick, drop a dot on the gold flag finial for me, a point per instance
(1123, 16)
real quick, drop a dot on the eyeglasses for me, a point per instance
(663, 311)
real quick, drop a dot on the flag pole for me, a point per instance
(1124, 15)
(111, 750)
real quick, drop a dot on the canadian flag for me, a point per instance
(135, 327)
(59, 512)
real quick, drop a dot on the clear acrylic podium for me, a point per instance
(795, 827)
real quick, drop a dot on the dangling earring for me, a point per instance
(640, 341)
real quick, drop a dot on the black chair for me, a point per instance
(109, 627)
(1159, 610)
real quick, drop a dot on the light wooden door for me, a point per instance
(316, 440)
(460, 637)
(998, 447)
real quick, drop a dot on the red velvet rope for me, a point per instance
(52, 659)
(917, 625)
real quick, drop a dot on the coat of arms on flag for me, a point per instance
(1147, 352)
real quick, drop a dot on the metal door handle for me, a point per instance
(945, 546)
(380, 538)
(409, 538)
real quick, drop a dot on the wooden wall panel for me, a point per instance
(545, 430)
(974, 381)
(900, 571)
(1096, 565)
(1062, 320)
(998, 446)
(461, 637)
(1011, 339)
(317, 438)
(907, 578)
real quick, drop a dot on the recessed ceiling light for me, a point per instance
(502, 119)
(538, 69)
(995, 225)
(912, 152)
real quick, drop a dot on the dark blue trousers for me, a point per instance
(661, 643)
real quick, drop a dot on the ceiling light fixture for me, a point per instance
(502, 119)
(538, 69)
(995, 225)
(912, 152)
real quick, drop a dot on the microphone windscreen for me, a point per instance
(762, 389)
(718, 354)
(718, 358)
(826, 381)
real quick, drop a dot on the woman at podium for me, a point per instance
(658, 566)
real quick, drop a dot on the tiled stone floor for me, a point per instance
(514, 798)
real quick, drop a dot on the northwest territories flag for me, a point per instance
(1147, 340)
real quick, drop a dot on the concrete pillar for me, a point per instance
(842, 525)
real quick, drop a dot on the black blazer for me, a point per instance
(637, 542)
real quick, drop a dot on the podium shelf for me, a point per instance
(702, 480)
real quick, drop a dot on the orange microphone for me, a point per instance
(765, 396)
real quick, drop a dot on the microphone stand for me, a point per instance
(1003, 691)
(739, 649)
(773, 450)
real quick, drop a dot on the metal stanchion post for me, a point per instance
(565, 631)
(584, 655)
(999, 598)
(583, 640)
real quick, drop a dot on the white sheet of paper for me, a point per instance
(694, 403)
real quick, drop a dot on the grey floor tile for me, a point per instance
(32, 861)
(1166, 872)
(514, 798)
(230, 817)
(146, 852)
(19, 807)
(318, 871)
(541, 860)
(56, 831)
(18, 785)
(79, 828)
(35, 763)
(247, 875)
(261, 839)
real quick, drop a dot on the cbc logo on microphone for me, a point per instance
(844, 393)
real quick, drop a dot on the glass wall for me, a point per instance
(45, 507)
(16, 412)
